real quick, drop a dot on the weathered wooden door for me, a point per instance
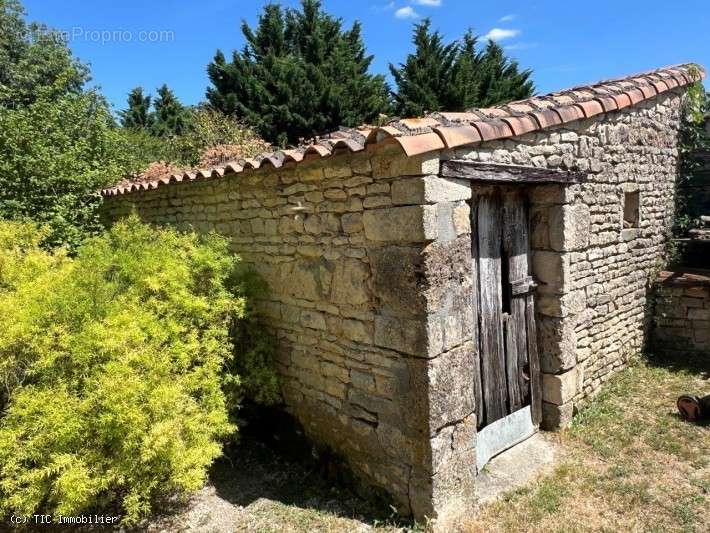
(508, 380)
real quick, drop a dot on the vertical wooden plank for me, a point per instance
(475, 316)
(535, 377)
(493, 377)
(512, 371)
(515, 245)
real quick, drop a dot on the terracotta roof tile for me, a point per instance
(459, 135)
(622, 100)
(590, 108)
(494, 129)
(570, 113)
(521, 125)
(440, 130)
(636, 95)
(647, 90)
(547, 118)
(420, 144)
(608, 103)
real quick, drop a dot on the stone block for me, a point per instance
(569, 227)
(557, 340)
(561, 388)
(349, 283)
(699, 314)
(556, 417)
(403, 335)
(451, 379)
(352, 222)
(429, 190)
(356, 331)
(552, 194)
(401, 224)
(398, 279)
(393, 165)
(313, 319)
(305, 279)
(552, 269)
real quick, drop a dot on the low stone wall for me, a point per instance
(681, 314)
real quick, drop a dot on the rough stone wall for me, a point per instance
(594, 273)
(341, 245)
(681, 315)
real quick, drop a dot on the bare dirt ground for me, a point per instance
(264, 488)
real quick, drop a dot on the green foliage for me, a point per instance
(58, 144)
(137, 116)
(170, 116)
(441, 76)
(112, 365)
(424, 79)
(693, 185)
(35, 61)
(299, 75)
(54, 155)
(694, 160)
(211, 134)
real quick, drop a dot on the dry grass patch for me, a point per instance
(631, 464)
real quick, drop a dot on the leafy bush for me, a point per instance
(212, 138)
(54, 155)
(113, 367)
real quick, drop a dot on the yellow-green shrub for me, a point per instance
(112, 365)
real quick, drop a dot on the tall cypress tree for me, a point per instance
(424, 79)
(500, 78)
(170, 116)
(456, 76)
(299, 75)
(138, 115)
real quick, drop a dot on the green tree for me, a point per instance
(34, 60)
(456, 76)
(54, 155)
(137, 115)
(424, 80)
(170, 116)
(299, 75)
(501, 79)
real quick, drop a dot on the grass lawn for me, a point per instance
(627, 464)
(630, 463)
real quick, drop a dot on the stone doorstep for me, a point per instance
(516, 467)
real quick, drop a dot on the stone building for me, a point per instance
(441, 287)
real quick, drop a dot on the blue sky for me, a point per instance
(565, 43)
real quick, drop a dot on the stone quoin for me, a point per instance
(379, 251)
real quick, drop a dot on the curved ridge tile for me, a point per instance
(520, 125)
(458, 135)
(420, 144)
(590, 108)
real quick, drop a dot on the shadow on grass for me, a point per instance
(692, 363)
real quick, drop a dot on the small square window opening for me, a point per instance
(631, 210)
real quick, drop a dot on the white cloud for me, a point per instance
(498, 34)
(434, 3)
(406, 12)
(507, 18)
(387, 7)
